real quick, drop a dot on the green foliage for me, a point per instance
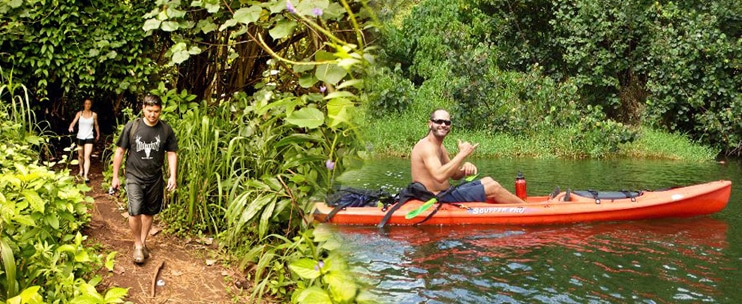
(695, 77)
(269, 133)
(65, 47)
(524, 67)
(41, 215)
(222, 48)
(389, 92)
(306, 261)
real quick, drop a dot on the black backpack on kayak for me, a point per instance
(356, 197)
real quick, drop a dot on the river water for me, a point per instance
(689, 260)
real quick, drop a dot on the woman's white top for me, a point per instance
(85, 127)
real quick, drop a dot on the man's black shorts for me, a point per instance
(145, 198)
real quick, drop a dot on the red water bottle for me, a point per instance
(520, 186)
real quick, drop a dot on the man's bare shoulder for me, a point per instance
(422, 146)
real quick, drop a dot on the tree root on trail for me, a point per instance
(154, 278)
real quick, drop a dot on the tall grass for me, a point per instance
(18, 104)
(395, 136)
(654, 144)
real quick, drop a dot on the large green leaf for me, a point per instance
(306, 268)
(170, 26)
(307, 80)
(342, 287)
(247, 15)
(33, 198)
(283, 28)
(330, 73)
(151, 24)
(338, 111)
(307, 118)
(116, 295)
(206, 26)
(314, 295)
(14, 3)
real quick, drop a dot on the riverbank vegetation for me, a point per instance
(391, 136)
(574, 79)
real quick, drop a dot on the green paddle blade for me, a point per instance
(434, 200)
(422, 208)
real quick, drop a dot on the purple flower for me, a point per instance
(290, 7)
(322, 89)
(319, 265)
(317, 12)
(330, 165)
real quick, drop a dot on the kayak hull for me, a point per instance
(694, 200)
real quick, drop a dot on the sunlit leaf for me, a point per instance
(82, 256)
(247, 15)
(305, 268)
(116, 295)
(110, 260)
(358, 83)
(170, 26)
(330, 73)
(212, 7)
(229, 23)
(332, 244)
(194, 50)
(180, 57)
(337, 111)
(314, 295)
(151, 24)
(33, 198)
(307, 118)
(15, 3)
(342, 287)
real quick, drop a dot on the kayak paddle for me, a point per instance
(434, 200)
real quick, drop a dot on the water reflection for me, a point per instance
(606, 262)
(654, 261)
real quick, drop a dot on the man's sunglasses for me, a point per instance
(441, 122)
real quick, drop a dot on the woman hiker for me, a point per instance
(87, 120)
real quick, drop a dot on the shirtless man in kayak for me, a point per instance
(432, 167)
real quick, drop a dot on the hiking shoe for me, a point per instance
(145, 251)
(138, 255)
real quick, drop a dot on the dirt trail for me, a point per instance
(190, 273)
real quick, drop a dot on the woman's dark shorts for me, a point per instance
(81, 142)
(469, 192)
(145, 198)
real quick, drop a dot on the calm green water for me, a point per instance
(688, 260)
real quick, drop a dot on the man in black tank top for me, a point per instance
(145, 142)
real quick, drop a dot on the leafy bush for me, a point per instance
(694, 78)
(41, 216)
(529, 66)
(389, 92)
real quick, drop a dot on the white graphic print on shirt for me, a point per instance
(148, 147)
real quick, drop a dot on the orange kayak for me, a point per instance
(564, 207)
